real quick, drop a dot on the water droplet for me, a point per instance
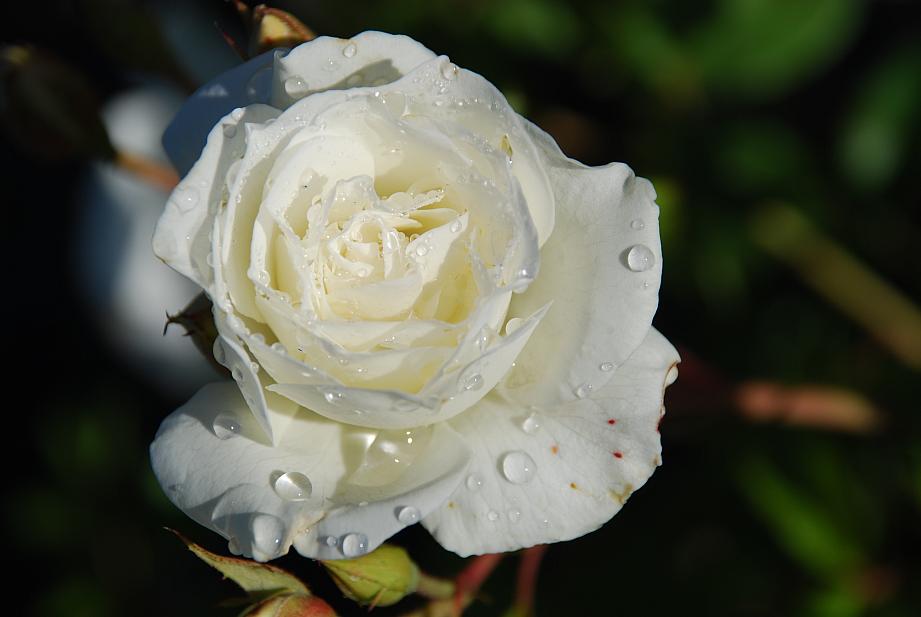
(332, 541)
(513, 324)
(482, 339)
(449, 70)
(233, 545)
(607, 367)
(474, 482)
(343, 361)
(389, 455)
(295, 86)
(474, 382)
(293, 486)
(518, 467)
(583, 390)
(354, 544)
(455, 226)
(408, 515)
(640, 258)
(492, 515)
(230, 130)
(332, 396)
(268, 532)
(531, 424)
(349, 50)
(237, 373)
(637, 224)
(219, 354)
(225, 426)
(514, 515)
(422, 250)
(278, 347)
(237, 114)
(185, 198)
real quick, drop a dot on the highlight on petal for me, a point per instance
(540, 475)
(331, 490)
(601, 268)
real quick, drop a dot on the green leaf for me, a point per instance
(251, 576)
(878, 127)
(762, 48)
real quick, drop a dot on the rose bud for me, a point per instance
(291, 605)
(382, 577)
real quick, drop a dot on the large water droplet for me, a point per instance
(349, 50)
(354, 544)
(640, 258)
(229, 130)
(185, 198)
(268, 533)
(531, 424)
(473, 382)
(389, 455)
(474, 482)
(293, 486)
(408, 515)
(583, 390)
(225, 426)
(518, 467)
(295, 87)
(449, 70)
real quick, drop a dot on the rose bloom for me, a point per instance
(431, 314)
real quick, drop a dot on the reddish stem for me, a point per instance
(528, 570)
(471, 579)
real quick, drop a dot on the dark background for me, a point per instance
(784, 139)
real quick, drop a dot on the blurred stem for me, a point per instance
(435, 588)
(469, 581)
(526, 588)
(842, 279)
(156, 174)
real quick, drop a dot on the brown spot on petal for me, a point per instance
(573, 486)
(555, 449)
(612, 421)
(618, 454)
(620, 496)
(451, 504)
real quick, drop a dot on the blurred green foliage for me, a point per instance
(728, 105)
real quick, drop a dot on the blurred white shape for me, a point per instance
(128, 289)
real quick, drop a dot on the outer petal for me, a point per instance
(241, 86)
(586, 458)
(326, 63)
(227, 484)
(602, 307)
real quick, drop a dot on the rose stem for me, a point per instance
(161, 176)
(526, 586)
(470, 579)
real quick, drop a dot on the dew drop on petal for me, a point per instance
(332, 541)
(514, 515)
(237, 373)
(455, 226)
(492, 515)
(185, 198)
(349, 50)
(474, 382)
(583, 390)
(671, 375)
(640, 258)
(482, 339)
(518, 467)
(354, 544)
(408, 515)
(637, 224)
(225, 426)
(237, 114)
(607, 367)
(293, 486)
(295, 86)
(531, 424)
(449, 70)
(233, 545)
(474, 482)
(229, 130)
(268, 532)
(422, 250)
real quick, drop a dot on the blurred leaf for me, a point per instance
(534, 26)
(763, 156)
(49, 108)
(380, 578)
(762, 48)
(251, 576)
(291, 605)
(74, 597)
(839, 601)
(881, 121)
(808, 533)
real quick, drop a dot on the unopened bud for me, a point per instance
(380, 578)
(291, 605)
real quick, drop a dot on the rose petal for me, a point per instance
(325, 63)
(243, 85)
(227, 484)
(602, 306)
(572, 467)
(181, 237)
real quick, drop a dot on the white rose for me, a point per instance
(430, 312)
